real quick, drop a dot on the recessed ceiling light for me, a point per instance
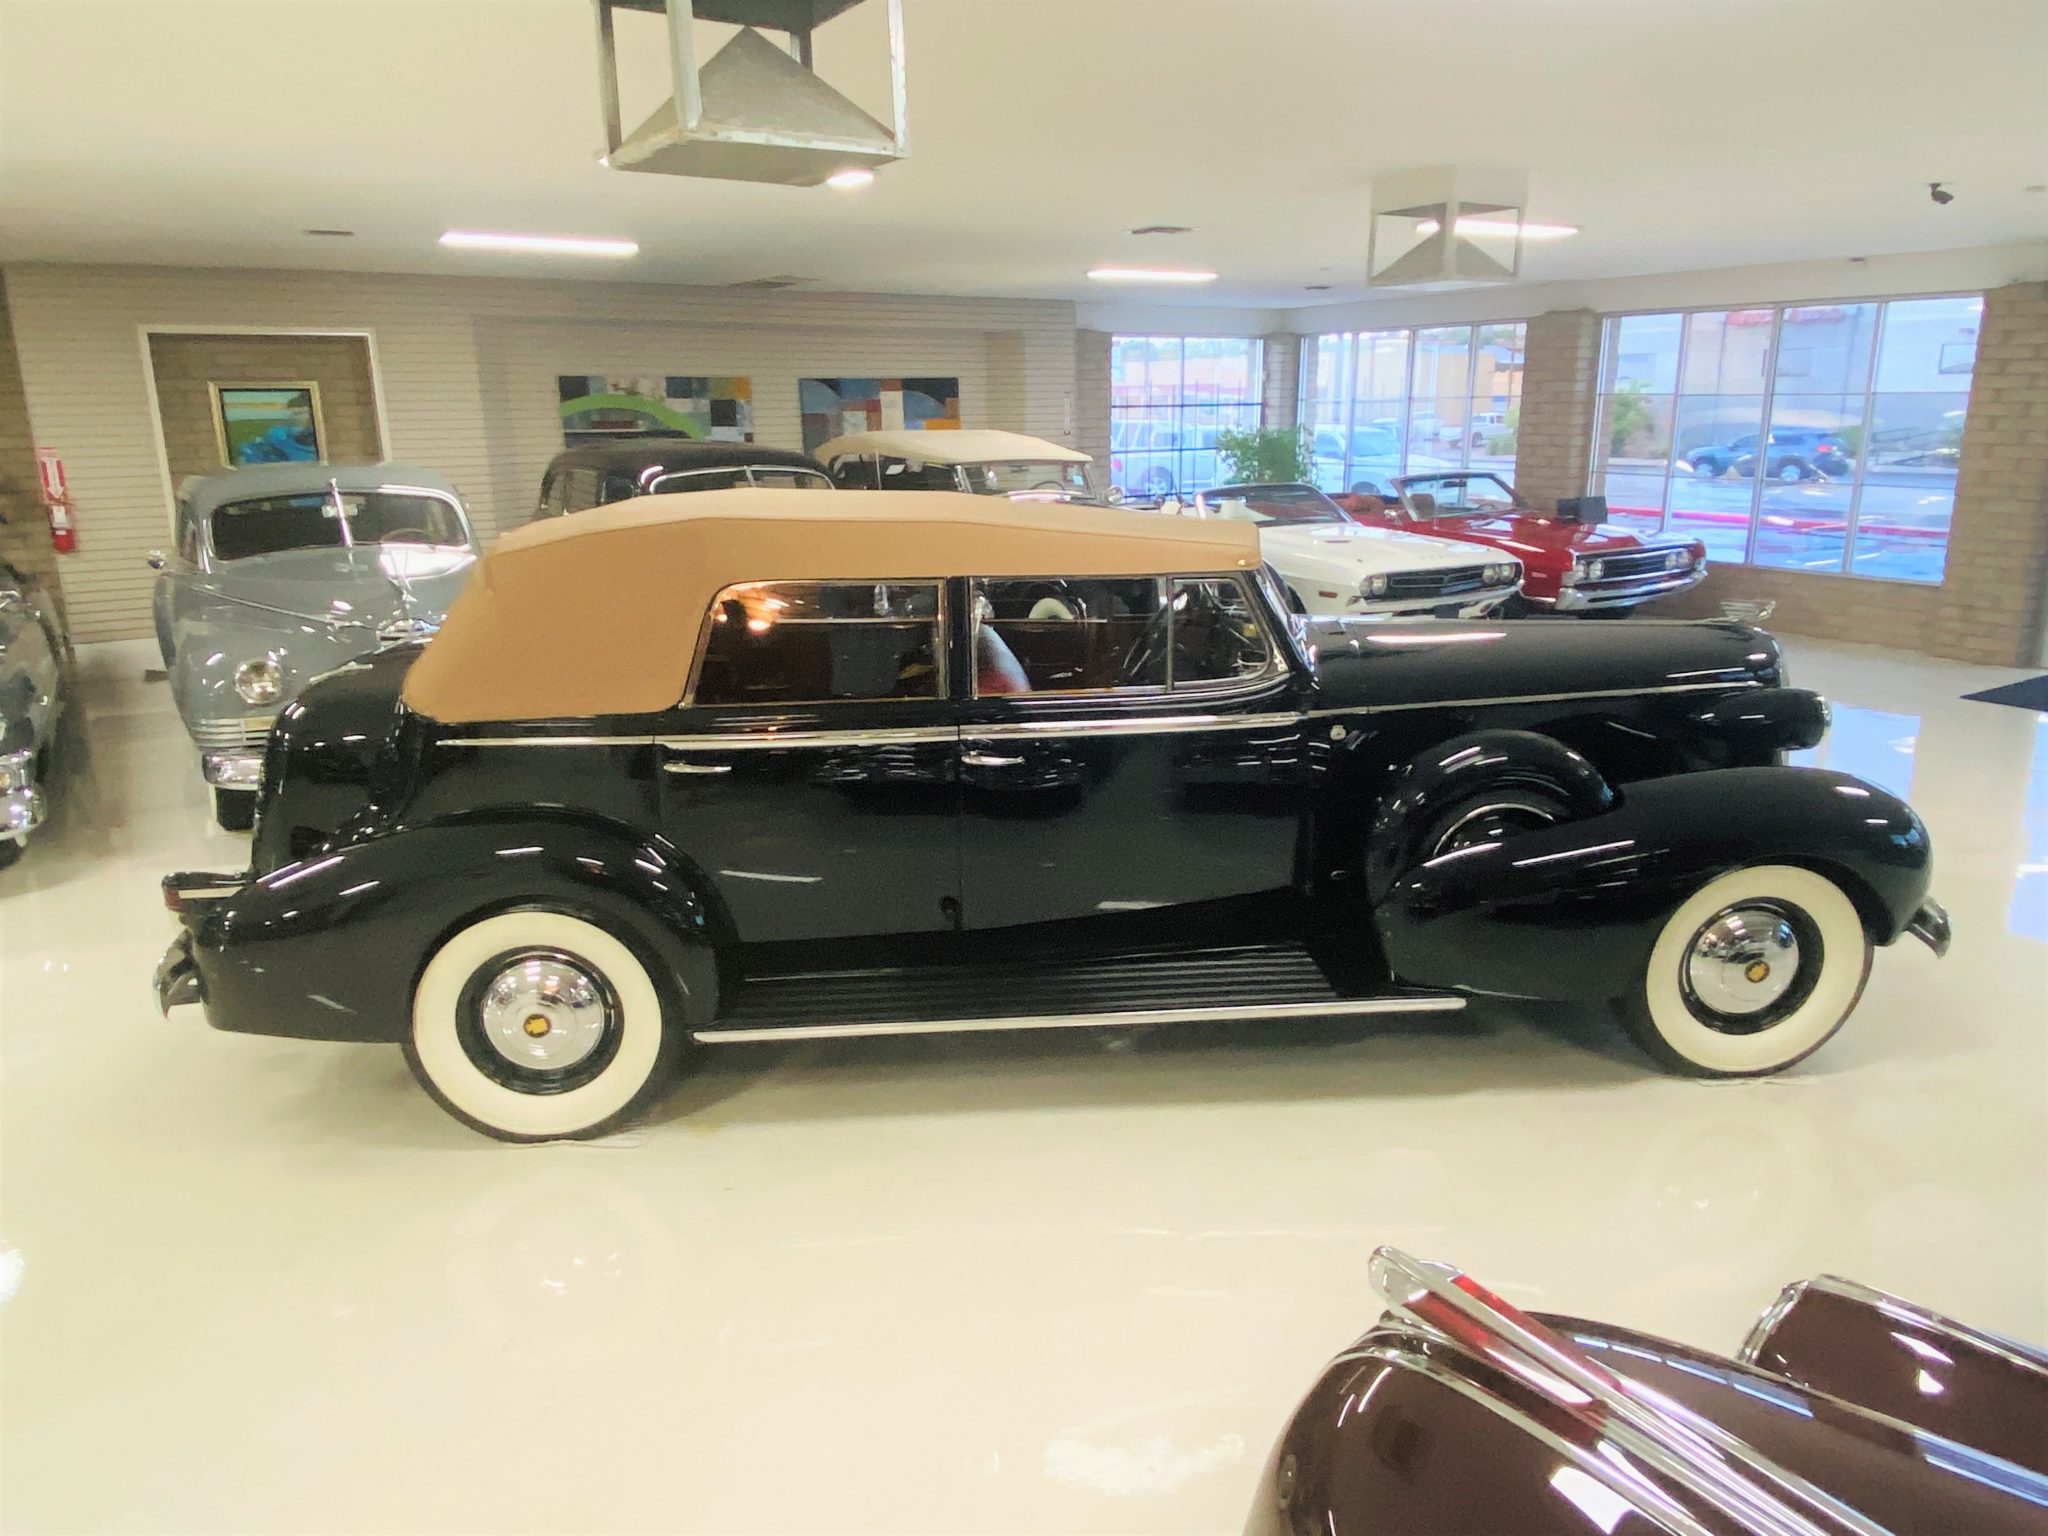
(1471, 225)
(851, 179)
(1163, 229)
(547, 245)
(332, 234)
(1150, 275)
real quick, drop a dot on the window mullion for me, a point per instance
(1760, 470)
(1853, 522)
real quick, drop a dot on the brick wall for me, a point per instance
(1281, 351)
(1560, 386)
(1992, 594)
(185, 365)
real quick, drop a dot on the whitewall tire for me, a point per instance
(1753, 972)
(535, 1025)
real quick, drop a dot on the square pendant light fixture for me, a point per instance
(1450, 227)
(755, 110)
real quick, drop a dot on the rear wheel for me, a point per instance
(1753, 972)
(235, 809)
(535, 1025)
(1491, 818)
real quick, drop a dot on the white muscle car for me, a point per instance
(1333, 565)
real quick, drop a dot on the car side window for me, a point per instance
(698, 480)
(553, 502)
(579, 489)
(1217, 637)
(809, 642)
(902, 475)
(854, 474)
(1069, 635)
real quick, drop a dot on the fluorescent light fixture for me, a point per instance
(546, 245)
(1150, 275)
(851, 179)
(1474, 225)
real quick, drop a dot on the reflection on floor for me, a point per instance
(1032, 1284)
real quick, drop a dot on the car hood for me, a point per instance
(1549, 535)
(1362, 549)
(1377, 664)
(377, 586)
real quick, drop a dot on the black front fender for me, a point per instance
(329, 948)
(1571, 911)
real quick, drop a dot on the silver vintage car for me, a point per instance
(33, 653)
(283, 572)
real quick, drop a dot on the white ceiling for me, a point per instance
(1681, 134)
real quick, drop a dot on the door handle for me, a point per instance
(989, 760)
(679, 766)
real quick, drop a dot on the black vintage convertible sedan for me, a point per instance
(782, 764)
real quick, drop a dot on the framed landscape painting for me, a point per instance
(596, 407)
(255, 423)
(834, 407)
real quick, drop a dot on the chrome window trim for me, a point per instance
(1537, 698)
(2011, 1351)
(1216, 688)
(746, 740)
(546, 741)
(655, 486)
(1142, 725)
(941, 636)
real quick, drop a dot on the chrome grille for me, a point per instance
(1634, 562)
(223, 735)
(1448, 582)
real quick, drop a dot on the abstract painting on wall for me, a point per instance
(596, 407)
(834, 407)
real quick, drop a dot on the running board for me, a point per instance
(1420, 1002)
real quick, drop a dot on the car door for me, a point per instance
(810, 773)
(1125, 744)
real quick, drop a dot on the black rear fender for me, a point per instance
(330, 947)
(1466, 768)
(1572, 911)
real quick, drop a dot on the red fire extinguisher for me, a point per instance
(63, 532)
(57, 497)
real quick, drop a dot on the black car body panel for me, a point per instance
(1491, 918)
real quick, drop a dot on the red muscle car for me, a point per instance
(1570, 564)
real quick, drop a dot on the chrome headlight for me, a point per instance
(259, 681)
(1499, 575)
(1671, 560)
(14, 769)
(1374, 585)
(1595, 569)
(1685, 559)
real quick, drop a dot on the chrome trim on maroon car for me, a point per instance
(2011, 1351)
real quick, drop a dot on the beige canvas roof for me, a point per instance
(599, 613)
(977, 446)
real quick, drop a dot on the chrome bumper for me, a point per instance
(232, 770)
(231, 749)
(1623, 594)
(22, 806)
(1930, 925)
(1461, 605)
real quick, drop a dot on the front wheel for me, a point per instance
(535, 1025)
(1753, 972)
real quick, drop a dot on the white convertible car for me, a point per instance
(1333, 565)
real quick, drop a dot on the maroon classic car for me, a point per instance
(1570, 563)
(1846, 1411)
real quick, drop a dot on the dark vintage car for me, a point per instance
(782, 764)
(34, 660)
(657, 464)
(1847, 1412)
(1570, 564)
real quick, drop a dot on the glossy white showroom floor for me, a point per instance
(1035, 1284)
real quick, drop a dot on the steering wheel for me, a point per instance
(1147, 648)
(1048, 485)
(399, 536)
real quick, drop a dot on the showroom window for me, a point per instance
(1815, 437)
(1168, 398)
(1384, 403)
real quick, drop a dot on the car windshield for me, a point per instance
(267, 525)
(1457, 495)
(1268, 504)
(1005, 477)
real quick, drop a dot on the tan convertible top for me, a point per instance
(599, 613)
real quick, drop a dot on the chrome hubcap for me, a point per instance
(543, 1013)
(1744, 961)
